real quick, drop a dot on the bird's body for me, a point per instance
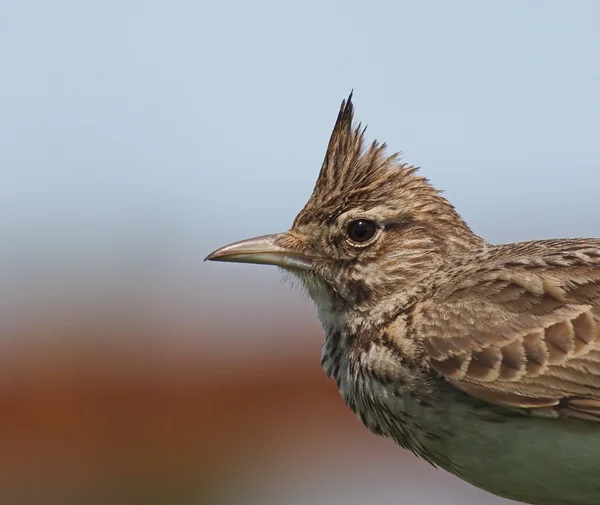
(541, 455)
(483, 359)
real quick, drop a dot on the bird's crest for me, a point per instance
(354, 173)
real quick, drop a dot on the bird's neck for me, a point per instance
(349, 318)
(377, 343)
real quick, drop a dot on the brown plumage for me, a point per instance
(521, 330)
(480, 358)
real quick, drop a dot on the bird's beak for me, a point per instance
(264, 250)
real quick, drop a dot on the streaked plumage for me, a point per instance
(483, 359)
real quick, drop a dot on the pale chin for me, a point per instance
(309, 283)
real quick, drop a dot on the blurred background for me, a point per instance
(136, 137)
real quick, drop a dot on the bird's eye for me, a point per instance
(361, 230)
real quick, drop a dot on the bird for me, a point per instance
(482, 359)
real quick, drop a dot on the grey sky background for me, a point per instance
(139, 136)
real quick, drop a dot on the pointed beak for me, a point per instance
(263, 250)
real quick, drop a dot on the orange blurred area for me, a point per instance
(82, 411)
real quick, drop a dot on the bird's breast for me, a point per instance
(370, 383)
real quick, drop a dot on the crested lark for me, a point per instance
(482, 359)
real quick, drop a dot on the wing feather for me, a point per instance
(524, 331)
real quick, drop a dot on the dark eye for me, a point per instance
(361, 230)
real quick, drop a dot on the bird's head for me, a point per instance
(372, 229)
